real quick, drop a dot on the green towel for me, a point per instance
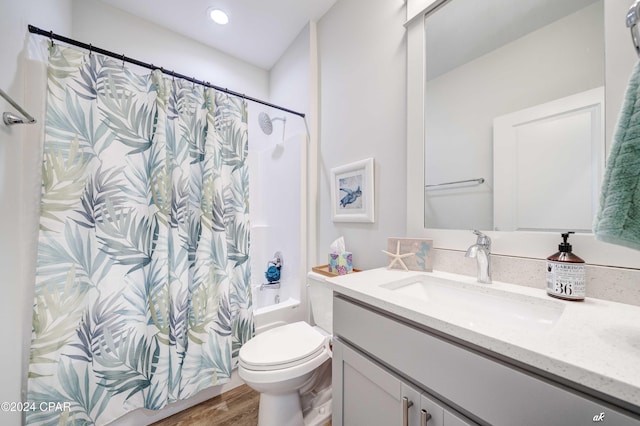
(618, 219)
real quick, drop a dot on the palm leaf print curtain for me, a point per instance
(142, 286)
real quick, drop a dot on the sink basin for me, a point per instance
(476, 306)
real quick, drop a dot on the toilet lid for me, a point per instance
(282, 347)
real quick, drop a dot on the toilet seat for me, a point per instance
(283, 347)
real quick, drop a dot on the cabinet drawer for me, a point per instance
(485, 389)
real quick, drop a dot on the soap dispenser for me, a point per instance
(566, 273)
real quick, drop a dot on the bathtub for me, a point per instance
(271, 315)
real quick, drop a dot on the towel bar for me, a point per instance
(478, 181)
(11, 119)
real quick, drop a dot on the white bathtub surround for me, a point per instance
(603, 282)
(276, 314)
(276, 198)
(589, 346)
(266, 295)
(274, 306)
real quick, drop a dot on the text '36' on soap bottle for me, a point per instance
(566, 273)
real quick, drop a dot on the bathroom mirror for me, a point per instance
(487, 62)
(620, 60)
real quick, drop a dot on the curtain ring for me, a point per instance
(123, 61)
(90, 49)
(51, 37)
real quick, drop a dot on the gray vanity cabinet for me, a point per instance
(368, 394)
(380, 359)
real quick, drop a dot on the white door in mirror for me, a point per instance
(548, 163)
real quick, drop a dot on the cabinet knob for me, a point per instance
(425, 416)
(405, 410)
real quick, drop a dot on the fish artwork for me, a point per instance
(351, 196)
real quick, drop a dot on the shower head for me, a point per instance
(266, 123)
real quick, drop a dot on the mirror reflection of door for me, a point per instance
(548, 162)
(488, 59)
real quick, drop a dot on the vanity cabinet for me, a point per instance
(369, 394)
(379, 359)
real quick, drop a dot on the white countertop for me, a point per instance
(595, 343)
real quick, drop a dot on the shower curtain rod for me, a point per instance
(91, 48)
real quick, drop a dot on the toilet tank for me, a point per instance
(321, 301)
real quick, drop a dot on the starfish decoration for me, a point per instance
(397, 257)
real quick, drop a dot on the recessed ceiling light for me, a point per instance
(219, 17)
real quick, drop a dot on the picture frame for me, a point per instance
(421, 249)
(352, 192)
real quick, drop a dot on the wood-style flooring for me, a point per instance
(237, 407)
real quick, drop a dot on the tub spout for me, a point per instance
(270, 286)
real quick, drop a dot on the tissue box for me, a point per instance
(340, 264)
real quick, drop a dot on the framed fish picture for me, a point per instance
(352, 192)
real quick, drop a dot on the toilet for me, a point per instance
(290, 363)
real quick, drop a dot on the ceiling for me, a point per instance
(258, 31)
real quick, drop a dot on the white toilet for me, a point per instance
(284, 362)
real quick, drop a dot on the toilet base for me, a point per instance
(280, 410)
(318, 416)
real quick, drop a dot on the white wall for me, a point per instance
(289, 82)
(16, 162)
(362, 67)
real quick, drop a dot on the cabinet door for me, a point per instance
(422, 411)
(364, 393)
(434, 414)
(431, 413)
(452, 419)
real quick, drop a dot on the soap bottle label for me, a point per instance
(566, 280)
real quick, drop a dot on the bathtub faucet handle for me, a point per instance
(277, 260)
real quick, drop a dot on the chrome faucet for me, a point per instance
(481, 250)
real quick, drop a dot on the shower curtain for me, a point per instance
(142, 290)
